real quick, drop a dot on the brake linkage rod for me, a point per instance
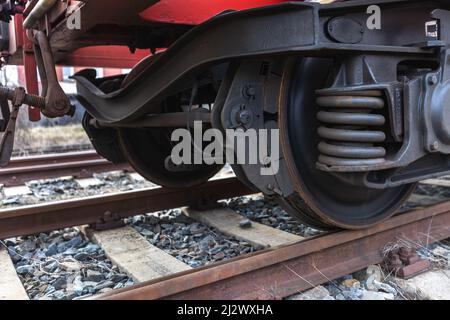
(17, 97)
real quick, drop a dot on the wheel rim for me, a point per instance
(324, 198)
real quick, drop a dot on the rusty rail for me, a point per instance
(50, 149)
(61, 214)
(280, 272)
(80, 164)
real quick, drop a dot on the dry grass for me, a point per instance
(42, 137)
(437, 260)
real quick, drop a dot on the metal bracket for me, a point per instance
(5, 112)
(435, 110)
(443, 27)
(8, 124)
(108, 221)
(405, 263)
(56, 102)
(18, 97)
(7, 141)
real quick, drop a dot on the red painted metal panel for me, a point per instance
(31, 80)
(29, 62)
(106, 57)
(193, 12)
(190, 12)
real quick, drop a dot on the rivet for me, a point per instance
(432, 80)
(434, 146)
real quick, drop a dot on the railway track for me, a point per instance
(289, 263)
(273, 273)
(100, 209)
(277, 273)
(27, 152)
(80, 164)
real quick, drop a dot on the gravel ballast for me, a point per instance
(263, 210)
(63, 265)
(187, 240)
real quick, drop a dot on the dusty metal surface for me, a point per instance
(280, 272)
(79, 164)
(117, 14)
(44, 217)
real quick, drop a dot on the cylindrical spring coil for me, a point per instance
(351, 129)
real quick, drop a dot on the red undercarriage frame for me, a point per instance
(172, 12)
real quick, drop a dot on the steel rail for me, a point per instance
(22, 152)
(61, 214)
(279, 272)
(80, 164)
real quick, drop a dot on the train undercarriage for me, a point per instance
(360, 110)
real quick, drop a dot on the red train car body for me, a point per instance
(354, 93)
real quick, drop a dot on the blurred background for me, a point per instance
(51, 135)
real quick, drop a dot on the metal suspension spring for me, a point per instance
(349, 129)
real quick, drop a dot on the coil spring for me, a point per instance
(348, 129)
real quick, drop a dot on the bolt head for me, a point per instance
(266, 161)
(434, 146)
(249, 91)
(244, 117)
(432, 80)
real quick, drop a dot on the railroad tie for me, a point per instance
(227, 221)
(10, 286)
(134, 255)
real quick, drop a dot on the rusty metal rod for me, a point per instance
(30, 99)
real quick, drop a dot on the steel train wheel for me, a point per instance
(146, 151)
(321, 199)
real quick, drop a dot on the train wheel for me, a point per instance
(320, 199)
(148, 151)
